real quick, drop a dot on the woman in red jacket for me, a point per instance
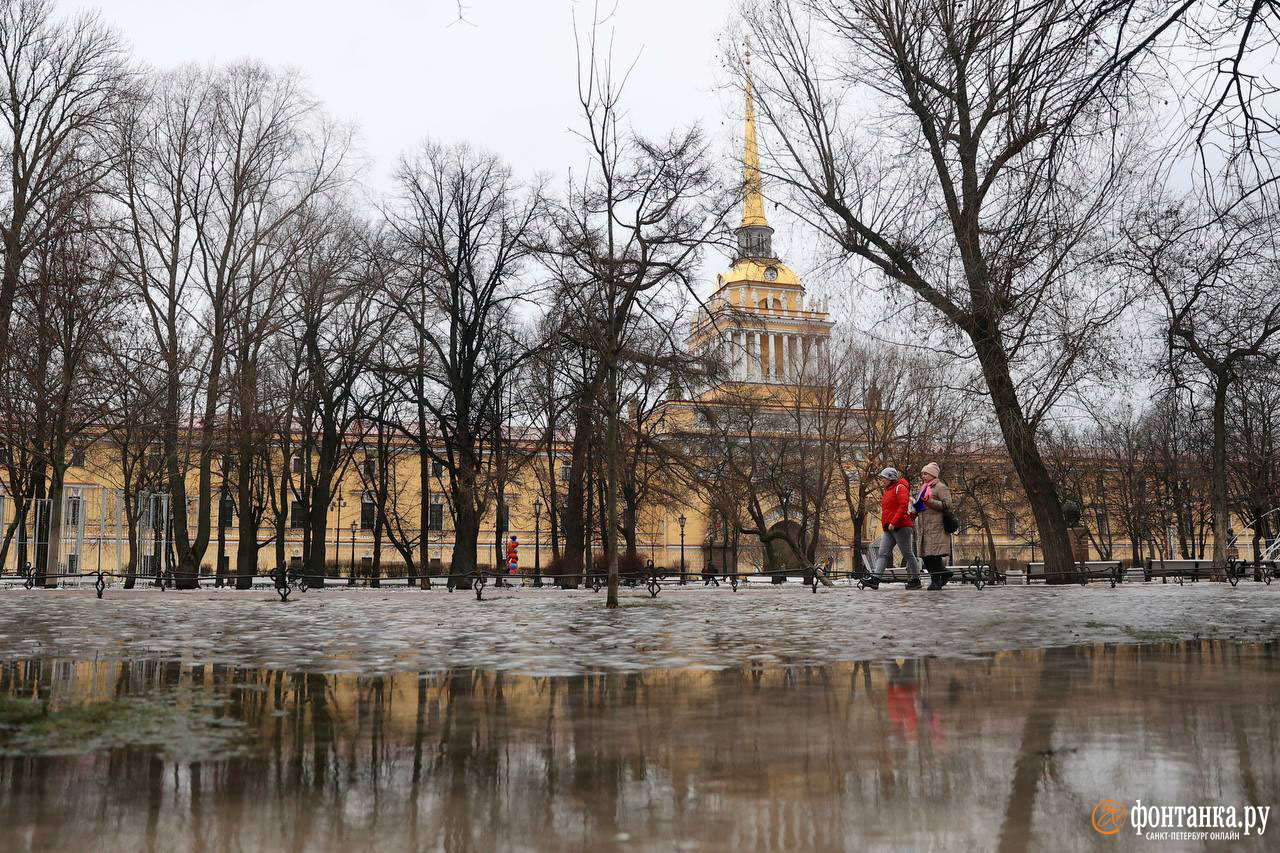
(895, 520)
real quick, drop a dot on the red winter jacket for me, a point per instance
(893, 506)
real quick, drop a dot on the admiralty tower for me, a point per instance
(760, 316)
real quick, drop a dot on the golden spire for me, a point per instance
(752, 192)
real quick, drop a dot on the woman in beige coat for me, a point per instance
(935, 542)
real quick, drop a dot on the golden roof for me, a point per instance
(756, 271)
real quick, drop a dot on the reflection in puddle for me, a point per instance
(1009, 751)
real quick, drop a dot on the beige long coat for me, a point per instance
(934, 541)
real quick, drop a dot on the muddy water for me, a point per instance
(1010, 751)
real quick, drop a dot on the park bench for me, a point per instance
(1194, 570)
(892, 574)
(978, 573)
(1108, 570)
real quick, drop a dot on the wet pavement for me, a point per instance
(553, 632)
(773, 720)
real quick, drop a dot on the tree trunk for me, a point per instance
(1218, 473)
(175, 475)
(11, 274)
(282, 513)
(54, 548)
(424, 500)
(317, 522)
(575, 523)
(131, 513)
(611, 489)
(1020, 440)
(219, 574)
(375, 569)
(466, 533)
(630, 512)
(247, 547)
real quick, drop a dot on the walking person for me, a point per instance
(895, 521)
(930, 505)
(513, 557)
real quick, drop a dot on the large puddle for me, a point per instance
(1010, 751)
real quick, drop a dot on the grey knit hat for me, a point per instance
(890, 474)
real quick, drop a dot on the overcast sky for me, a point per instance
(403, 70)
(504, 78)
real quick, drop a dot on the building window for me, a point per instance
(437, 469)
(1010, 525)
(297, 515)
(368, 513)
(1104, 526)
(297, 463)
(564, 471)
(156, 512)
(77, 456)
(435, 518)
(72, 515)
(369, 468)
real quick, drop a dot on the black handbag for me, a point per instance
(949, 521)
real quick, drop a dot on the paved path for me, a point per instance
(556, 632)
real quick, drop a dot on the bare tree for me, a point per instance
(1212, 276)
(462, 232)
(1002, 148)
(335, 323)
(1253, 421)
(217, 166)
(68, 313)
(63, 83)
(629, 232)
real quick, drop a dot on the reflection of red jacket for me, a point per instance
(901, 700)
(893, 506)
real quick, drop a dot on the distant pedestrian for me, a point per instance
(930, 505)
(513, 555)
(709, 574)
(895, 521)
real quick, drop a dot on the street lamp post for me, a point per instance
(337, 539)
(351, 578)
(681, 521)
(537, 535)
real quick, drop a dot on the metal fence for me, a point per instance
(93, 534)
